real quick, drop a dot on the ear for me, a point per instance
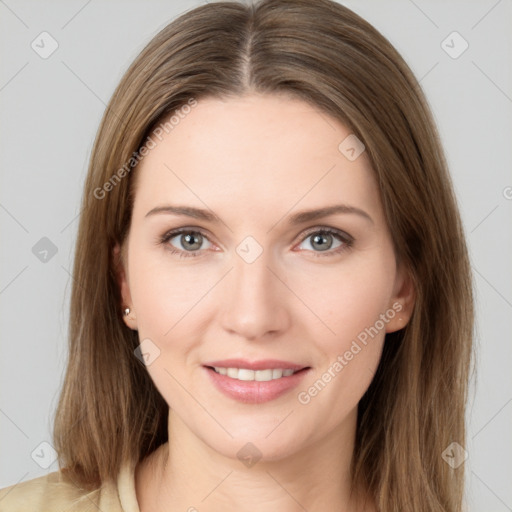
(121, 277)
(402, 302)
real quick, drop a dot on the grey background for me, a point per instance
(50, 110)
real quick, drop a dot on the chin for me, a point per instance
(255, 445)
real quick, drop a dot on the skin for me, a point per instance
(255, 161)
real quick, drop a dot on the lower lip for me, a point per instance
(253, 391)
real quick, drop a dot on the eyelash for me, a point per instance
(343, 237)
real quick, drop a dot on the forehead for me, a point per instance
(258, 151)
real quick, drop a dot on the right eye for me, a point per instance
(185, 242)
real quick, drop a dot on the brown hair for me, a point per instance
(321, 52)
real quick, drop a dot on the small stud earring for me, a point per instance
(126, 311)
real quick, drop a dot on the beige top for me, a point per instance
(54, 493)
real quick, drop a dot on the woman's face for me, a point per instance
(260, 275)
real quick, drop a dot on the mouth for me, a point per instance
(246, 374)
(255, 382)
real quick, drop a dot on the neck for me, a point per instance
(189, 475)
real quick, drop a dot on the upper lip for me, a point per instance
(262, 364)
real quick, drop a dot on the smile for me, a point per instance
(267, 379)
(257, 375)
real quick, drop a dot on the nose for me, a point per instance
(254, 300)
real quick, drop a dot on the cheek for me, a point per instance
(348, 298)
(354, 306)
(166, 294)
(170, 300)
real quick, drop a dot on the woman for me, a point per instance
(272, 301)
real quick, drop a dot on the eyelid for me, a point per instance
(171, 233)
(327, 229)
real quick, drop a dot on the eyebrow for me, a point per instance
(297, 218)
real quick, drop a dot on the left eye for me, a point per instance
(325, 240)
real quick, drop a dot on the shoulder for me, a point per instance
(49, 492)
(56, 492)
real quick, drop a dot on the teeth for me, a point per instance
(258, 375)
(232, 372)
(244, 374)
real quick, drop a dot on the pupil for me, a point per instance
(192, 240)
(317, 242)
